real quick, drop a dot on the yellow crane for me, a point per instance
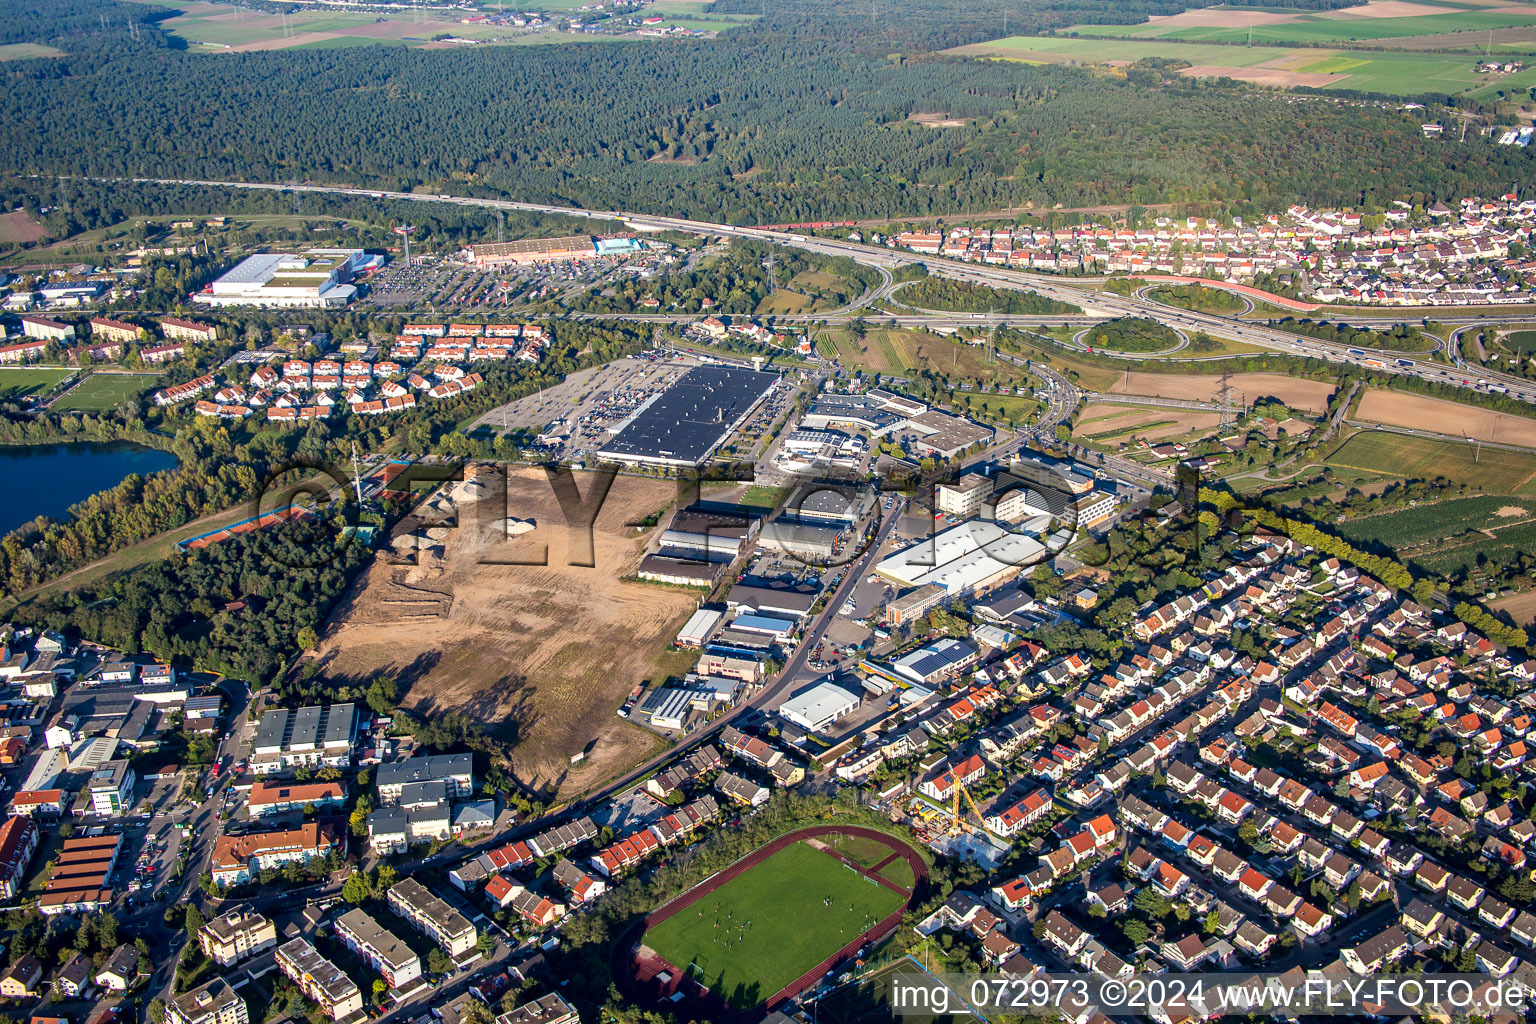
(957, 823)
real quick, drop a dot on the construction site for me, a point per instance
(956, 828)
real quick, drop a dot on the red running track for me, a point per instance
(801, 984)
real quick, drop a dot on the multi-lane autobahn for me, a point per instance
(1096, 306)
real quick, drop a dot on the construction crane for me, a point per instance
(957, 822)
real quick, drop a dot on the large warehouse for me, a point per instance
(819, 707)
(970, 556)
(313, 278)
(683, 425)
(533, 250)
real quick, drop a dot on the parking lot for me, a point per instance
(579, 410)
(451, 284)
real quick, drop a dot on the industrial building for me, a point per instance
(964, 497)
(812, 543)
(528, 251)
(698, 627)
(819, 707)
(684, 424)
(708, 536)
(970, 556)
(315, 278)
(935, 661)
(790, 602)
(681, 572)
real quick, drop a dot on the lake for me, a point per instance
(46, 479)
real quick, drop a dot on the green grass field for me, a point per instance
(21, 382)
(22, 51)
(1520, 342)
(102, 391)
(763, 929)
(1323, 28)
(1396, 455)
(1398, 74)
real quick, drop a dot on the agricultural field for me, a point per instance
(209, 26)
(1294, 392)
(887, 351)
(99, 392)
(23, 382)
(1106, 425)
(764, 928)
(471, 621)
(1496, 545)
(1521, 607)
(1408, 528)
(1383, 454)
(1392, 73)
(1377, 20)
(1396, 409)
(18, 227)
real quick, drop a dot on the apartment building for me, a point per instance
(430, 915)
(379, 947)
(238, 934)
(275, 798)
(310, 737)
(550, 1009)
(41, 328)
(18, 842)
(454, 771)
(322, 981)
(238, 859)
(213, 1003)
(187, 330)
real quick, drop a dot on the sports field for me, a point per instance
(102, 391)
(766, 927)
(1392, 73)
(21, 382)
(1396, 455)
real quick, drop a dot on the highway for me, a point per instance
(1101, 306)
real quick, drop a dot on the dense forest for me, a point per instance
(1399, 337)
(243, 607)
(1132, 334)
(737, 281)
(965, 297)
(66, 206)
(763, 125)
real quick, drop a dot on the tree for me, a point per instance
(355, 889)
(1135, 931)
(155, 1013)
(380, 988)
(306, 638)
(1150, 902)
(485, 944)
(1096, 911)
(383, 695)
(438, 962)
(193, 919)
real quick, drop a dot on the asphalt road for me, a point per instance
(1099, 305)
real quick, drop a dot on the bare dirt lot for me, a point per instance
(1296, 392)
(1219, 17)
(1262, 76)
(542, 654)
(1392, 9)
(1399, 410)
(20, 227)
(1521, 607)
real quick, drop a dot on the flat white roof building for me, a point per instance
(819, 707)
(313, 278)
(698, 627)
(963, 557)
